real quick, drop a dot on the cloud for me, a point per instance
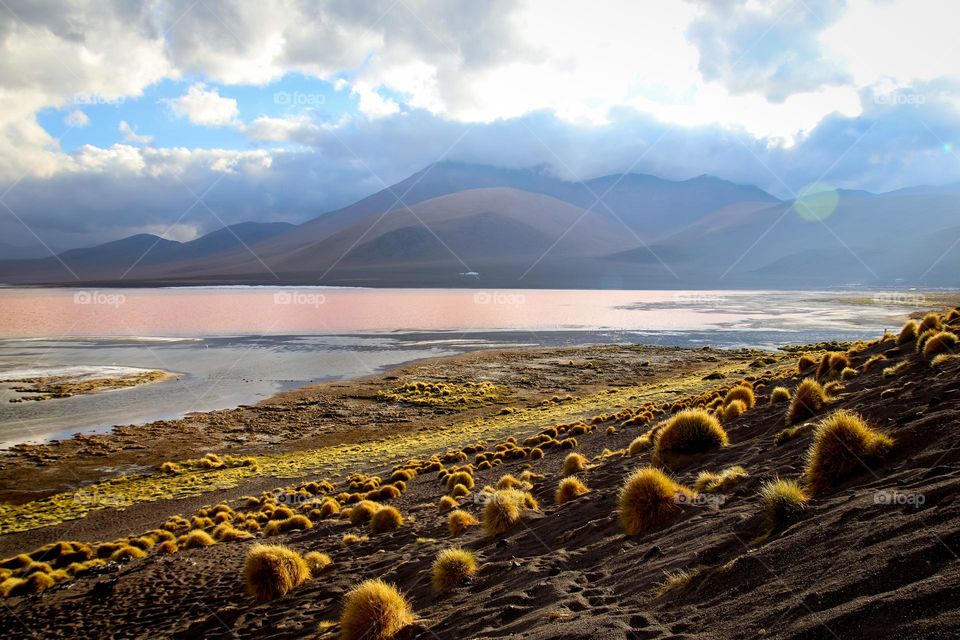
(77, 119)
(130, 134)
(205, 107)
(773, 93)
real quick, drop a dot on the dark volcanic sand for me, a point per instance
(850, 568)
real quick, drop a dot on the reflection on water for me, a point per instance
(238, 345)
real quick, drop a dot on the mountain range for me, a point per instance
(455, 225)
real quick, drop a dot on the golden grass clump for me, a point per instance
(35, 583)
(943, 342)
(504, 509)
(317, 562)
(195, 539)
(806, 363)
(352, 538)
(742, 393)
(649, 498)
(569, 489)
(808, 401)
(460, 477)
(779, 394)
(873, 361)
(447, 503)
(908, 333)
(459, 521)
(843, 444)
(168, 546)
(930, 321)
(574, 463)
(452, 566)
(272, 571)
(226, 532)
(459, 491)
(849, 373)
(329, 508)
(126, 553)
(362, 512)
(639, 445)
(386, 519)
(722, 482)
(292, 523)
(734, 410)
(688, 432)
(784, 501)
(374, 610)
(509, 482)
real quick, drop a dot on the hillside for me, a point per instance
(871, 552)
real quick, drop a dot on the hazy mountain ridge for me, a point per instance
(527, 228)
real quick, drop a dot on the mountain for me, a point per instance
(454, 224)
(134, 256)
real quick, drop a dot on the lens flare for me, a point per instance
(816, 201)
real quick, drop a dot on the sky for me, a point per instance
(176, 117)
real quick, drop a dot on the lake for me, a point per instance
(239, 345)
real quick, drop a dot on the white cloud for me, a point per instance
(77, 119)
(295, 129)
(205, 107)
(130, 134)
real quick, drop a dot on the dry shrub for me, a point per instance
(272, 571)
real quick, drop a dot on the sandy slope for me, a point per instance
(851, 568)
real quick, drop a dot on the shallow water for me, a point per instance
(236, 346)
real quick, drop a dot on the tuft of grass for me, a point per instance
(742, 393)
(639, 445)
(779, 395)
(676, 579)
(808, 401)
(734, 410)
(649, 499)
(869, 364)
(722, 482)
(352, 538)
(317, 562)
(849, 373)
(272, 571)
(288, 524)
(374, 610)
(574, 463)
(362, 512)
(452, 566)
(942, 359)
(126, 553)
(908, 333)
(931, 321)
(805, 363)
(688, 432)
(195, 539)
(843, 446)
(504, 509)
(447, 503)
(459, 521)
(784, 501)
(386, 519)
(509, 482)
(940, 343)
(569, 489)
